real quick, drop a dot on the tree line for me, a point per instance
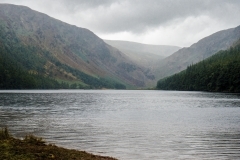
(219, 73)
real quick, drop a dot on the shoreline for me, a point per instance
(32, 147)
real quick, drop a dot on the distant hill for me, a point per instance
(201, 50)
(42, 45)
(218, 73)
(143, 54)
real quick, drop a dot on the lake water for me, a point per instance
(129, 125)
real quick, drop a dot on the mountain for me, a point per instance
(218, 73)
(201, 50)
(143, 54)
(45, 46)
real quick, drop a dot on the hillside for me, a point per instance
(13, 76)
(218, 73)
(201, 50)
(45, 46)
(143, 54)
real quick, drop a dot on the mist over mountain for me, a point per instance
(143, 54)
(60, 49)
(176, 59)
(42, 45)
(201, 50)
(160, 50)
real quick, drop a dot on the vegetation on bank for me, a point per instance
(219, 73)
(34, 148)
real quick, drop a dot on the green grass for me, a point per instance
(35, 148)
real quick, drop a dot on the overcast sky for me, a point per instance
(165, 22)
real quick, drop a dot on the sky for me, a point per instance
(159, 22)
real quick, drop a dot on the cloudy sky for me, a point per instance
(165, 22)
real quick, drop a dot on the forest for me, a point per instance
(218, 73)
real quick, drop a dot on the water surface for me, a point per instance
(129, 125)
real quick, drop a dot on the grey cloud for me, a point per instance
(137, 16)
(86, 3)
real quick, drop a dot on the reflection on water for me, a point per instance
(129, 124)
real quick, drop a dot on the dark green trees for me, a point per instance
(220, 73)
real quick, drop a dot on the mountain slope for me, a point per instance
(27, 67)
(218, 73)
(197, 52)
(62, 48)
(143, 54)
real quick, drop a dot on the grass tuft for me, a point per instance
(4, 134)
(31, 139)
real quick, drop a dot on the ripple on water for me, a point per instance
(129, 124)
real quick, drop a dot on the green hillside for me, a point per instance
(30, 67)
(20, 69)
(41, 46)
(219, 73)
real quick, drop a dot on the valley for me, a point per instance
(53, 54)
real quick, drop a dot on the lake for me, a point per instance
(128, 125)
